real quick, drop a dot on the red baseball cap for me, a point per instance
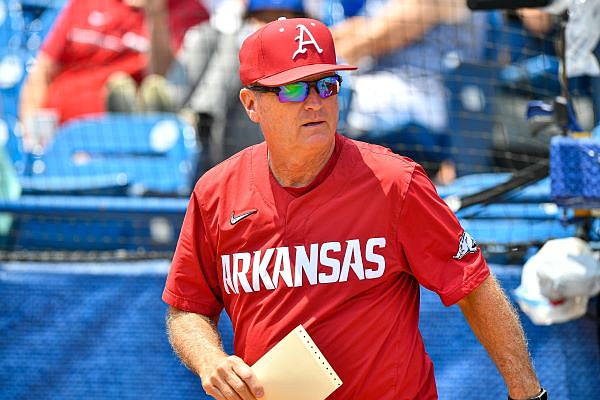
(288, 50)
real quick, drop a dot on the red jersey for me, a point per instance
(93, 39)
(344, 259)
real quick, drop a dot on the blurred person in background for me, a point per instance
(404, 45)
(529, 48)
(526, 33)
(537, 21)
(526, 48)
(110, 55)
(210, 59)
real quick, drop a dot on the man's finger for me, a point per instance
(228, 381)
(247, 375)
(238, 386)
(226, 391)
(213, 391)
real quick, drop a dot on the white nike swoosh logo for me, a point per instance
(237, 218)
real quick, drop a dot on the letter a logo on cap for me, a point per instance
(301, 42)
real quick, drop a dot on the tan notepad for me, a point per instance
(295, 369)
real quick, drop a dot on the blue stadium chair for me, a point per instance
(12, 143)
(156, 153)
(23, 27)
(515, 223)
(93, 223)
(101, 185)
(43, 4)
(39, 16)
(66, 204)
(12, 66)
(538, 192)
(11, 24)
(12, 75)
(107, 185)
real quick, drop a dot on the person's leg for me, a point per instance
(154, 95)
(122, 93)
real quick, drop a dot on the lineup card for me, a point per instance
(295, 369)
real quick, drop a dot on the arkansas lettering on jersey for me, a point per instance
(248, 272)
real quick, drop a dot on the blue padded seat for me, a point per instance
(93, 223)
(156, 153)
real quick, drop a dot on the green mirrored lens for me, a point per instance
(293, 92)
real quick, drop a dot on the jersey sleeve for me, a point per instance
(440, 254)
(55, 42)
(192, 284)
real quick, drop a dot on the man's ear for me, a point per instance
(249, 101)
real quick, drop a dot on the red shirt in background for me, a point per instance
(93, 39)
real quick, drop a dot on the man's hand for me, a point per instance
(353, 39)
(195, 338)
(231, 378)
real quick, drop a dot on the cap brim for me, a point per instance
(298, 73)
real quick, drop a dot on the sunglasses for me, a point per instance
(298, 91)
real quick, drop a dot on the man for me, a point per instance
(312, 228)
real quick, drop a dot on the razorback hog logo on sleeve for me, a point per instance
(249, 272)
(466, 245)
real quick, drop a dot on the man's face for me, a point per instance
(295, 126)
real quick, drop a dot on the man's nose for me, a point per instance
(313, 100)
